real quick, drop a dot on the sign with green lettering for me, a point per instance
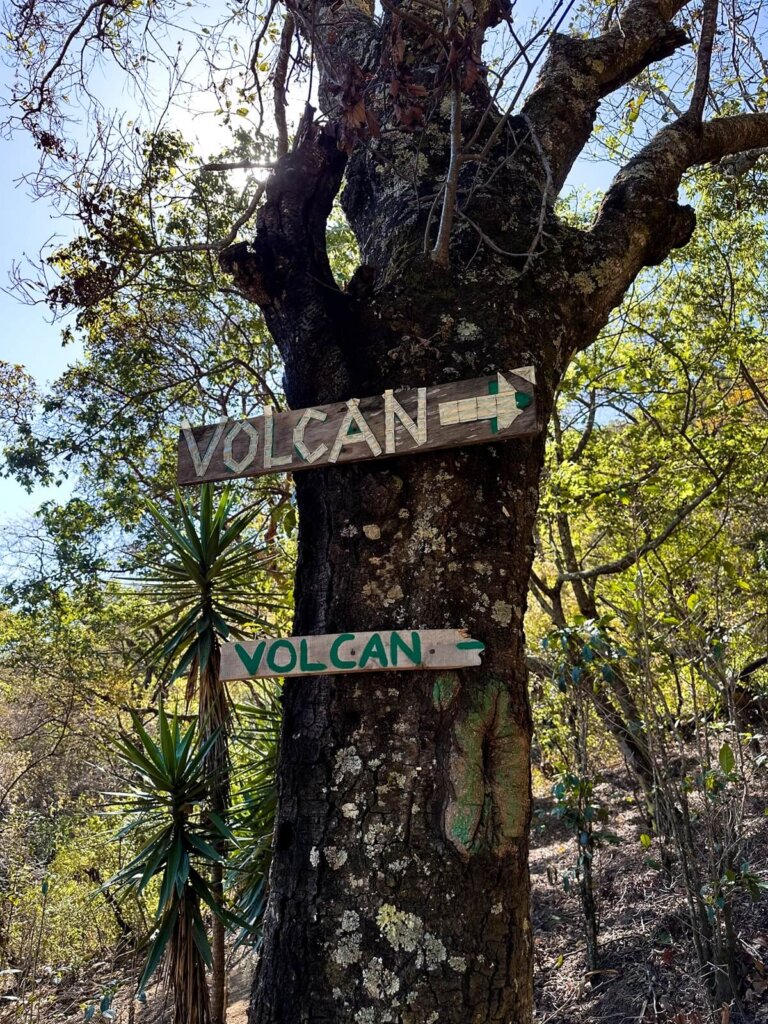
(403, 422)
(381, 651)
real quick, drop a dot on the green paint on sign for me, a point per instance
(306, 664)
(522, 400)
(470, 645)
(493, 389)
(251, 661)
(412, 653)
(374, 649)
(281, 645)
(337, 661)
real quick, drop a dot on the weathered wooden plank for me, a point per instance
(395, 423)
(397, 650)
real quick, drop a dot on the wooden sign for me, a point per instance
(396, 650)
(403, 423)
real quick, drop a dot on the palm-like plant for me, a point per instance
(208, 580)
(167, 802)
(252, 815)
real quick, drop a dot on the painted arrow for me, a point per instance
(397, 650)
(503, 405)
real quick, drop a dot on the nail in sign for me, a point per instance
(385, 650)
(395, 423)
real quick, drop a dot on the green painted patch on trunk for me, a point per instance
(489, 802)
(444, 689)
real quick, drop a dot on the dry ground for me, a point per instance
(647, 973)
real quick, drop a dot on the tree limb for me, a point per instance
(620, 564)
(578, 73)
(640, 220)
(704, 60)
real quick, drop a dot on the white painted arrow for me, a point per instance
(502, 407)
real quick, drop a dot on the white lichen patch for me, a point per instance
(348, 531)
(377, 836)
(366, 1016)
(349, 810)
(497, 908)
(372, 531)
(395, 593)
(379, 982)
(314, 856)
(405, 931)
(434, 951)
(468, 331)
(348, 950)
(457, 963)
(336, 858)
(347, 763)
(350, 921)
(399, 865)
(502, 613)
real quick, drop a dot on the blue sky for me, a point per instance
(27, 336)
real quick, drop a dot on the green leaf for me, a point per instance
(727, 759)
(158, 946)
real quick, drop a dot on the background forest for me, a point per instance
(137, 793)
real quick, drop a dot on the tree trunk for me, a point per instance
(399, 886)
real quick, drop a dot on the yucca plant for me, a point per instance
(209, 579)
(254, 807)
(167, 813)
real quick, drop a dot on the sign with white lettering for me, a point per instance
(398, 649)
(395, 423)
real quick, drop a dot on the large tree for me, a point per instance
(399, 887)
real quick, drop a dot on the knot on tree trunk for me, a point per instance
(675, 225)
(251, 277)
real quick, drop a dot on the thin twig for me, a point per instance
(281, 72)
(440, 251)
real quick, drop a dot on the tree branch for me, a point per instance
(286, 270)
(279, 89)
(620, 564)
(640, 220)
(578, 73)
(704, 60)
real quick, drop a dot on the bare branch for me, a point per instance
(578, 73)
(279, 89)
(442, 244)
(620, 564)
(238, 165)
(704, 60)
(760, 397)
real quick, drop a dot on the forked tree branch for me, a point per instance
(631, 557)
(578, 73)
